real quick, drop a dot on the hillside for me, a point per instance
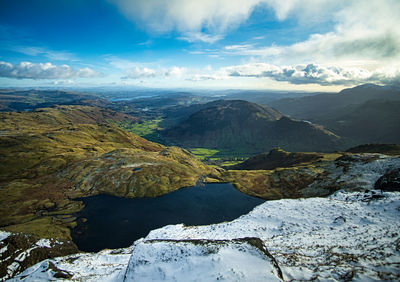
(244, 126)
(387, 149)
(22, 100)
(363, 114)
(50, 156)
(322, 106)
(374, 121)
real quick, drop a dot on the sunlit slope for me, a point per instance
(52, 155)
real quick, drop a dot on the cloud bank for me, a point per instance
(44, 71)
(362, 32)
(315, 74)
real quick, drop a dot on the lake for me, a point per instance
(114, 222)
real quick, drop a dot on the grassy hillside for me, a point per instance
(51, 156)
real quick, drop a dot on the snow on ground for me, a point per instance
(107, 265)
(4, 235)
(347, 236)
(337, 237)
(200, 261)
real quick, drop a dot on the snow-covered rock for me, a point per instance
(346, 236)
(202, 260)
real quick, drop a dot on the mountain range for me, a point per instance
(364, 114)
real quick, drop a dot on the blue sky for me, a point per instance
(249, 44)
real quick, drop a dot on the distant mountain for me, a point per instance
(324, 106)
(387, 149)
(363, 114)
(243, 126)
(22, 100)
(374, 121)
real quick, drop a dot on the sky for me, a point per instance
(311, 45)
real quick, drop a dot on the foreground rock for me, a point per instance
(390, 181)
(19, 251)
(347, 236)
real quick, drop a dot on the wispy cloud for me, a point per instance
(44, 71)
(199, 36)
(48, 53)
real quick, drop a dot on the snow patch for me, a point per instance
(4, 235)
(44, 243)
(199, 261)
(107, 265)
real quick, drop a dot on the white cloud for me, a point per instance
(44, 71)
(175, 72)
(189, 17)
(362, 31)
(316, 74)
(138, 72)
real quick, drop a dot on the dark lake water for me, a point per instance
(114, 222)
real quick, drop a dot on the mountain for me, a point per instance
(51, 156)
(375, 121)
(387, 149)
(364, 114)
(322, 106)
(244, 126)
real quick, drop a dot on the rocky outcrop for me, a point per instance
(20, 251)
(390, 181)
(320, 177)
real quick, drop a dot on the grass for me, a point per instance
(51, 156)
(219, 157)
(146, 129)
(203, 153)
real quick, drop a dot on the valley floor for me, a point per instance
(349, 235)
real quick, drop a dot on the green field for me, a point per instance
(219, 157)
(146, 128)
